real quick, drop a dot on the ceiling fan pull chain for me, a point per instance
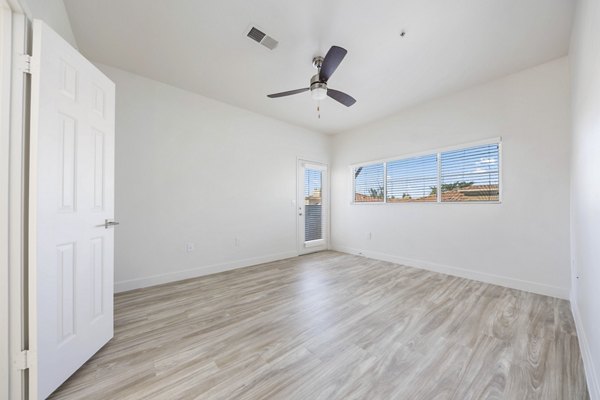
(319, 110)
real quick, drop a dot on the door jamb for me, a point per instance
(13, 203)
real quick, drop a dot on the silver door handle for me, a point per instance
(108, 223)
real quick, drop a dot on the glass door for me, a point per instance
(312, 207)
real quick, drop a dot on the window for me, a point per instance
(412, 179)
(368, 184)
(469, 174)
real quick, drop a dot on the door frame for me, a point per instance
(299, 206)
(14, 86)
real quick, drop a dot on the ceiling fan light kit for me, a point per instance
(318, 91)
(325, 66)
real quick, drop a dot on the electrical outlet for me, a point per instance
(189, 247)
(236, 241)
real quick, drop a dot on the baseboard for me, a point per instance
(528, 286)
(153, 280)
(591, 375)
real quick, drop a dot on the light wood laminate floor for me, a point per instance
(334, 326)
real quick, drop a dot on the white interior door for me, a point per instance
(312, 207)
(71, 198)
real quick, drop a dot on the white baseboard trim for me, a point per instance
(131, 284)
(591, 375)
(528, 286)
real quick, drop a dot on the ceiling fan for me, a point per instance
(318, 83)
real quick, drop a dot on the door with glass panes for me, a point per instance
(312, 207)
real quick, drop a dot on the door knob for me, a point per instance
(108, 223)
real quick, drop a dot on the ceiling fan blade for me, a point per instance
(288, 93)
(332, 60)
(342, 97)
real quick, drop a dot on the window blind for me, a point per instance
(369, 184)
(412, 179)
(471, 174)
(313, 205)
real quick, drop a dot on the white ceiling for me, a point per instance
(200, 45)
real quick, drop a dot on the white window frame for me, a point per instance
(438, 152)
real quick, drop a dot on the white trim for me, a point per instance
(438, 189)
(174, 276)
(423, 202)
(513, 283)
(329, 213)
(430, 151)
(15, 194)
(500, 173)
(352, 185)
(588, 362)
(313, 165)
(315, 243)
(5, 108)
(17, 7)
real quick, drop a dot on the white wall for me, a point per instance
(54, 13)
(585, 185)
(191, 169)
(521, 243)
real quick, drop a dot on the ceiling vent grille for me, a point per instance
(256, 34)
(259, 36)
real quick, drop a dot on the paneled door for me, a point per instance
(312, 207)
(71, 208)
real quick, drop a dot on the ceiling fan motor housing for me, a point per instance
(315, 82)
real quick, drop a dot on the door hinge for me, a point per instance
(22, 360)
(24, 63)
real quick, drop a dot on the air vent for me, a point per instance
(256, 35)
(259, 36)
